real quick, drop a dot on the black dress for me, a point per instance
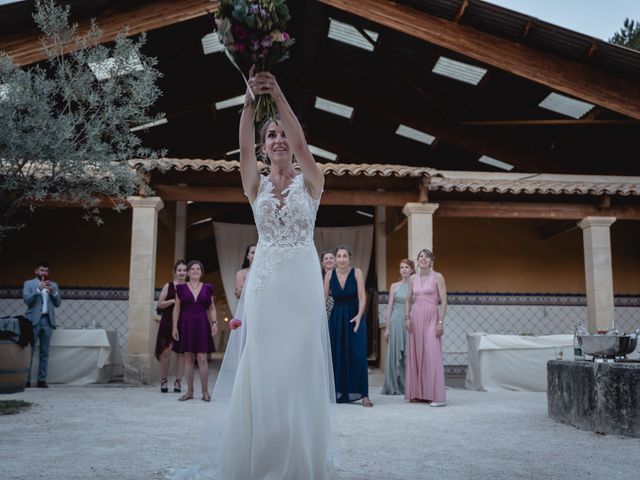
(165, 339)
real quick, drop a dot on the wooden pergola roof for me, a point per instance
(393, 85)
(459, 194)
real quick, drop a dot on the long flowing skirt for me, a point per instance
(425, 366)
(281, 422)
(394, 374)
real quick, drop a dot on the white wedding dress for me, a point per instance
(275, 389)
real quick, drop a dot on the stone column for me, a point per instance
(180, 250)
(420, 224)
(139, 360)
(598, 271)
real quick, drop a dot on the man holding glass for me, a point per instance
(41, 296)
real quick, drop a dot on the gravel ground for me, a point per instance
(124, 432)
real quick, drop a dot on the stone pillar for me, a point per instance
(420, 225)
(598, 272)
(381, 248)
(140, 360)
(180, 250)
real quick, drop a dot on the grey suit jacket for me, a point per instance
(33, 299)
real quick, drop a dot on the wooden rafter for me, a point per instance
(571, 78)
(553, 122)
(329, 197)
(446, 208)
(527, 210)
(25, 49)
(554, 229)
(461, 10)
(501, 146)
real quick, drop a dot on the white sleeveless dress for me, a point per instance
(281, 421)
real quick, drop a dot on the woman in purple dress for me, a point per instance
(164, 340)
(194, 327)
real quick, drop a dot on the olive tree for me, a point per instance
(66, 123)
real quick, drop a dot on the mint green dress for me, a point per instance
(396, 351)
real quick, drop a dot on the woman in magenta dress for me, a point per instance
(194, 327)
(164, 340)
(425, 310)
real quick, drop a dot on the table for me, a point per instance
(513, 362)
(80, 357)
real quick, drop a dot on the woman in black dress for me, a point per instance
(164, 339)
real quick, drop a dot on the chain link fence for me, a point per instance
(81, 308)
(527, 314)
(519, 314)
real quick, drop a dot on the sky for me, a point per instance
(598, 18)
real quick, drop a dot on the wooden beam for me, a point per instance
(504, 147)
(25, 48)
(461, 10)
(329, 197)
(556, 122)
(526, 210)
(556, 228)
(572, 78)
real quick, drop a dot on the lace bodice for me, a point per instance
(288, 224)
(284, 228)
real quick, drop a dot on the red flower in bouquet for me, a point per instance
(235, 323)
(253, 33)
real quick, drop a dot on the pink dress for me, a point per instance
(425, 367)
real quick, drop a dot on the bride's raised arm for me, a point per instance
(247, 141)
(265, 82)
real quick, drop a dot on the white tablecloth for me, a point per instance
(513, 362)
(79, 357)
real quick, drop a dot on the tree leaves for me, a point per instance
(65, 133)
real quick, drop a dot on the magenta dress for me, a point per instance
(193, 325)
(425, 367)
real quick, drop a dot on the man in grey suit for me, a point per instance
(41, 296)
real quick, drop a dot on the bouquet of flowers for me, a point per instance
(253, 33)
(235, 323)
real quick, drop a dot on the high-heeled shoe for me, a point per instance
(163, 385)
(177, 386)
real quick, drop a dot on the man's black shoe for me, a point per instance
(42, 385)
(27, 385)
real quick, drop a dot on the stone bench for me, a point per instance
(599, 397)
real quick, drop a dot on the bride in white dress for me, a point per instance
(275, 388)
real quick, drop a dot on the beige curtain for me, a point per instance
(232, 240)
(231, 243)
(359, 239)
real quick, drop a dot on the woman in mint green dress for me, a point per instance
(395, 333)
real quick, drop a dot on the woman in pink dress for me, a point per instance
(425, 310)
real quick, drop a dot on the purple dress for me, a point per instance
(193, 324)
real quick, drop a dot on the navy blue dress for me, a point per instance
(349, 349)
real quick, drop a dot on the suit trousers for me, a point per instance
(42, 336)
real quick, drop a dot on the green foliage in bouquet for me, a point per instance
(254, 34)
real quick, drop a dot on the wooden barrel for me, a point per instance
(14, 363)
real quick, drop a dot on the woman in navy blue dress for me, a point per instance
(347, 329)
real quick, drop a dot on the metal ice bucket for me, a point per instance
(608, 345)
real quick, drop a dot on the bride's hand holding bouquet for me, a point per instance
(254, 36)
(263, 83)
